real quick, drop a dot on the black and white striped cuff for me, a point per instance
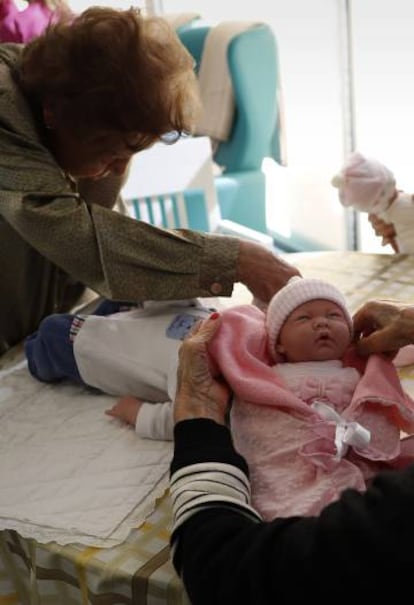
(209, 484)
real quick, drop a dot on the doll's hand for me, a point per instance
(384, 230)
(126, 409)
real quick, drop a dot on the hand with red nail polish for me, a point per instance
(199, 394)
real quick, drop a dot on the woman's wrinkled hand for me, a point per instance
(383, 326)
(199, 394)
(262, 271)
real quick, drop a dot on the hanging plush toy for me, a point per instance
(368, 186)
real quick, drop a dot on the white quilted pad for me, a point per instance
(68, 472)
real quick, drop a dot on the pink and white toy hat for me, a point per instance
(297, 291)
(365, 184)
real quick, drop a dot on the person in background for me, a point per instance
(309, 416)
(21, 26)
(75, 104)
(223, 550)
(367, 185)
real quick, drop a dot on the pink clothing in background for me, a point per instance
(289, 446)
(22, 26)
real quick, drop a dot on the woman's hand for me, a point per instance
(383, 326)
(199, 395)
(262, 271)
(384, 230)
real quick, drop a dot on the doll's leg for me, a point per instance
(49, 351)
(108, 307)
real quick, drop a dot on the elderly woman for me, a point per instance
(75, 104)
(361, 545)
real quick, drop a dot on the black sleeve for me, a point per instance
(359, 549)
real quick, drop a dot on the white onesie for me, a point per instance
(135, 353)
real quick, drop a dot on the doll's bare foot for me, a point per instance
(126, 409)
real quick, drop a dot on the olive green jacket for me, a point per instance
(52, 236)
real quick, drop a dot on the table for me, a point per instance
(139, 570)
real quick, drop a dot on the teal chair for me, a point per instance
(183, 195)
(255, 134)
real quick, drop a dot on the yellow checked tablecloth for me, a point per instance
(139, 570)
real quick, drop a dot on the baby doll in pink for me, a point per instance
(368, 186)
(310, 417)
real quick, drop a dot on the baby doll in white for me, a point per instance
(131, 353)
(368, 186)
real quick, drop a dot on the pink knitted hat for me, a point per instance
(297, 291)
(365, 184)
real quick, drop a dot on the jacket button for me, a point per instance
(216, 288)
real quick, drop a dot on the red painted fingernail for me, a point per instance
(214, 315)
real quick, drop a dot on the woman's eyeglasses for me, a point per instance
(169, 138)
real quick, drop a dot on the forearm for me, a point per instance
(158, 264)
(203, 451)
(122, 258)
(227, 556)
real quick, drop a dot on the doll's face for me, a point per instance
(315, 331)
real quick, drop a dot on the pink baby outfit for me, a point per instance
(22, 26)
(292, 446)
